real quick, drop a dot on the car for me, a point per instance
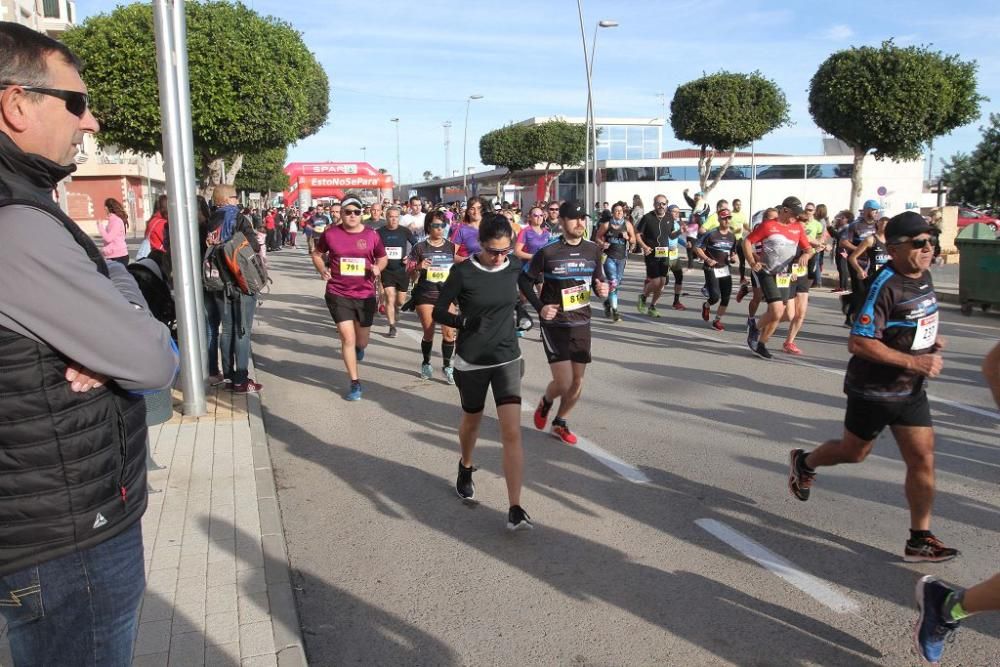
(970, 216)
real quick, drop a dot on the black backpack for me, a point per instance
(150, 275)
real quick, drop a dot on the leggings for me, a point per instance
(690, 252)
(743, 259)
(843, 272)
(719, 289)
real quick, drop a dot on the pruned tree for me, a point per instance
(263, 171)
(254, 84)
(721, 112)
(975, 179)
(891, 100)
(427, 175)
(509, 147)
(557, 143)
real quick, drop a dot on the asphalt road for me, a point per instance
(668, 551)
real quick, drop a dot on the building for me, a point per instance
(53, 17)
(630, 163)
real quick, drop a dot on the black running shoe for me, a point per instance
(607, 309)
(761, 351)
(464, 486)
(799, 480)
(928, 549)
(518, 519)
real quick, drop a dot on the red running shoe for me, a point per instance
(564, 434)
(678, 306)
(743, 291)
(542, 413)
(705, 311)
(791, 348)
(717, 325)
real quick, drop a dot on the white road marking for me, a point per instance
(779, 566)
(626, 470)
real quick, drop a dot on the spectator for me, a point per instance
(156, 226)
(77, 346)
(113, 232)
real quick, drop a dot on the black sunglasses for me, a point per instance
(76, 102)
(499, 253)
(438, 225)
(351, 211)
(916, 243)
(554, 209)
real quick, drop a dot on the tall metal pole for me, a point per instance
(447, 148)
(364, 154)
(186, 279)
(590, 101)
(465, 144)
(753, 174)
(590, 94)
(399, 172)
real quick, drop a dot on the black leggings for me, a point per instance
(858, 293)
(690, 252)
(843, 271)
(719, 289)
(743, 259)
(505, 381)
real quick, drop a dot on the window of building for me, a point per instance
(829, 170)
(677, 173)
(628, 174)
(50, 9)
(628, 142)
(788, 171)
(733, 173)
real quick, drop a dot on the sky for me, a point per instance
(419, 61)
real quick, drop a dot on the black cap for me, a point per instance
(793, 204)
(906, 225)
(572, 210)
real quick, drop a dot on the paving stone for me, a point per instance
(251, 581)
(256, 639)
(221, 599)
(260, 661)
(187, 650)
(156, 607)
(222, 572)
(222, 628)
(254, 607)
(153, 637)
(224, 655)
(152, 660)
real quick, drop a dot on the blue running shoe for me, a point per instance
(355, 393)
(360, 352)
(932, 630)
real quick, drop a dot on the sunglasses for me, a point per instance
(918, 244)
(76, 102)
(537, 215)
(553, 210)
(438, 225)
(351, 211)
(499, 253)
(660, 203)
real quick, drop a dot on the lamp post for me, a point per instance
(399, 170)
(364, 154)
(590, 99)
(447, 148)
(465, 143)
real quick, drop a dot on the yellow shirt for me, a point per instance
(735, 223)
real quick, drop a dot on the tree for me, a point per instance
(975, 178)
(509, 147)
(264, 171)
(891, 100)
(557, 143)
(427, 175)
(254, 84)
(721, 112)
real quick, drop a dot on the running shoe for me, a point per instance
(449, 374)
(518, 519)
(525, 323)
(248, 387)
(704, 291)
(542, 413)
(932, 629)
(218, 379)
(641, 305)
(706, 312)
(464, 486)
(392, 331)
(928, 549)
(563, 433)
(791, 348)
(653, 312)
(360, 353)
(799, 480)
(381, 309)
(717, 325)
(615, 315)
(355, 393)
(761, 351)
(607, 309)
(679, 306)
(742, 292)
(426, 371)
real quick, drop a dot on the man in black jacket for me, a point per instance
(77, 349)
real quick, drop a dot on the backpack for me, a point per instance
(148, 275)
(214, 274)
(245, 267)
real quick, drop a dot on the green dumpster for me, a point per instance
(979, 268)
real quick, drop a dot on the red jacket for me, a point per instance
(269, 222)
(156, 230)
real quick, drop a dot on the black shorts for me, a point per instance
(505, 381)
(866, 419)
(769, 286)
(346, 309)
(397, 279)
(425, 297)
(656, 267)
(567, 344)
(801, 285)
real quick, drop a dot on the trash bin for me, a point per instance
(978, 268)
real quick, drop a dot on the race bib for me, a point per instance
(352, 266)
(672, 255)
(926, 332)
(799, 270)
(661, 252)
(721, 271)
(783, 280)
(576, 297)
(438, 274)
(394, 252)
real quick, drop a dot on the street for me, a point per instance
(667, 536)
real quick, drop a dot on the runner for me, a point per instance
(552, 221)
(466, 235)
(488, 355)
(659, 234)
(717, 249)
(615, 236)
(872, 252)
(429, 264)
(567, 268)
(895, 348)
(802, 278)
(780, 244)
(758, 294)
(395, 282)
(350, 258)
(530, 240)
(855, 235)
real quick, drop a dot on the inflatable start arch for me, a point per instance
(316, 180)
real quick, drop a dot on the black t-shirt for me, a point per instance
(567, 273)
(902, 313)
(395, 242)
(877, 256)
(442, 258)
(718, 245)
(658, 232)
(617, 237)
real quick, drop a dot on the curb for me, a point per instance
(942, 296)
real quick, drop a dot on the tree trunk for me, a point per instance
(234, 169)
(704, 166)
(707, 187)
(859, 163)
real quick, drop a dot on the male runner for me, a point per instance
(567, 268)
(717, 249)
(659, 234)
(895, 347)
(395, 281)
(858, 232)
(414, 219)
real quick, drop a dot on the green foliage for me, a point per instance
(557, 142)
(891, 99)
(975, 179)
(509, 147)
(254, 84)
(726, 110)
(264, 171)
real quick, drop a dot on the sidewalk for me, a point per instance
(218, 590)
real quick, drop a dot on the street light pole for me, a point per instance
(399, 170)
(586, 67)
(447, 148)
(364, 154)
(590, 100)
(465, 144)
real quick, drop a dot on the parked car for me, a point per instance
(970, 216)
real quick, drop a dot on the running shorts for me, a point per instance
(866, 419)
(567, 344)
(769, 286)
(396, 279)
(801, 284)
(346, 309)
(656, 267)
(505, 381)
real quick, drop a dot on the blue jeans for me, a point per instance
(80, 609)
(237, 310)
(614, 271)
(214, 305)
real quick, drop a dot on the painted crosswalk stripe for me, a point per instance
(777, 565)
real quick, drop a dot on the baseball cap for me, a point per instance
(572, 210)
(351, 200)
(872, 204)
(906, 225)
(724, 213)
(497, 206)
(794, 204)
(673, 207)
